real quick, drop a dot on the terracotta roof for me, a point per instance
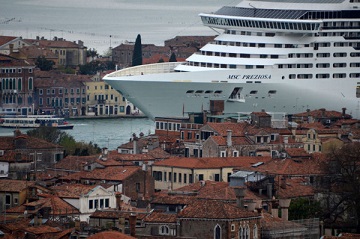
(297, 152)
(210, 209)
(322, 113)
(222, 128)
(213, 162)
(8, 185)
(115, 173)
(72, 190)
(7, 142)
(295, 188)
(158, 153)
(294, 167)
(268, 222)
(110, 234)
(160, 217)
(41, 229)
(75, 163)
(135, 157)
(110, 214)
(6, 39)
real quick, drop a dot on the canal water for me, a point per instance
(109, 133)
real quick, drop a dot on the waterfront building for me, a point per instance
(69, 53)
(61, 94)
(9, 44)
(17, 86)
(103, 100)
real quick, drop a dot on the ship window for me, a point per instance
(358, 91)
(323, 55)
(323, 65)
(208, 92)
(259, 66)
(322, 76)
(218, 92)
(249, 66)
(253, 92)
(355, 64)
(339, 65)
(304, 76)
(261, 45)
(274, 56)
(199, 92)
(189, 92)
(272, 91)
(249, 82)
(355, 54)
(355, 75)
(292, 76)
(339, 75)
(340, 54)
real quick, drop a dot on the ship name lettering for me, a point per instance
(234, 77)
(256, 77)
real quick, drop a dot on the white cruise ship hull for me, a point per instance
(274, 55)
(167, 95)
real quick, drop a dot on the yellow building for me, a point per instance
(177, 172)
(103, 100)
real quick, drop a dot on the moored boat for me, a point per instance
(35, 121)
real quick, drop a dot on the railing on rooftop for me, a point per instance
(147, 69)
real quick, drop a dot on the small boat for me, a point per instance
(35, 121)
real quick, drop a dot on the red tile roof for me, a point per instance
(212, 209)
(110, 234)
(8, 185)
(72, 190)
(6, 39)
(160, 217)
(213, 162)
(237, 129)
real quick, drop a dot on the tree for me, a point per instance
(91, 53)
(56, 136)
(92, 67)
(304, 208)
(44, 64)
(137, 53)
(173, 57)
(161, 60)
(340, 187)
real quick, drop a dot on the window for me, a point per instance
(255, 232)
(137, 187)
(174, 177)
(8, 199)
(107, 204)
(30, 83)
(185, 177)
(96, 204)
(164, 230)
(201, 177)
(179, 177)
(91, 204)
(217, 232)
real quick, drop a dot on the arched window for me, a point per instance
(241, 232)
(255, 232)
(164, 230)
(247, 232)
(217, 232)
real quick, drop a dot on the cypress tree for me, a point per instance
(172, 57)
(137, 54)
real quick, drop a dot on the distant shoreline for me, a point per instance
(106, 117)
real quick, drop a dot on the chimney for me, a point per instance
(104, 154)
(11, 48)
(284, 205)
(228, 138)
(283, 183)
(132, 222)
(275, 209)
(269, 190)
(118, 201)
(240, 194)
(343, 112)
(135, 139)
(77, 225)
(251, 206)
(17, 133)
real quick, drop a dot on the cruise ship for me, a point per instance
(284, 56)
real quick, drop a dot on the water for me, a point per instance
(109, 133)
(94, 21)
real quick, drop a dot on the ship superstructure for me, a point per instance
(278, 56)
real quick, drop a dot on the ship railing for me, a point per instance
(156, 68)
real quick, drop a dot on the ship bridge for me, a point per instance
(156, 68)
